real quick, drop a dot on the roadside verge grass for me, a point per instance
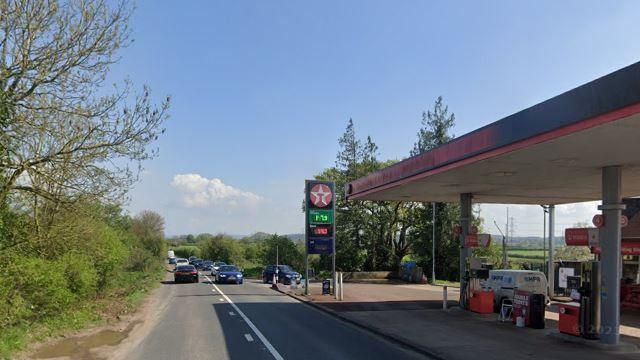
(127, 293)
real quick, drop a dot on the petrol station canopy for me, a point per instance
(550, 153)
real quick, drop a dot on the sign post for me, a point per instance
(320, 225)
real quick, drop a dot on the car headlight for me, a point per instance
(288, 276)
(239, 275)
(223, 275)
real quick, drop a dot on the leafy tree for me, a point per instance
(282, 249)
(62, 130)
(148, 227)
(436, 131)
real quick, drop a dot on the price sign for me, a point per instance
(320, 219)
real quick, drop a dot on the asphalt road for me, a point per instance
(251, 321)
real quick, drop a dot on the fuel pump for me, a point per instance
(590, 300)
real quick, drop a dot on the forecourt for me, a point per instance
(582, 145)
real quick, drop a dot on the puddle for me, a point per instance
(80, 347)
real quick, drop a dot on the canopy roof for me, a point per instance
(550, 153)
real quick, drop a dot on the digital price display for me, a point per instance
(321, 230)
(320, 217)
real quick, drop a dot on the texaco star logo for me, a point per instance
(321, 195)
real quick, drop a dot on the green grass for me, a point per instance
(447, 283)
(527, 253)
(128, 292)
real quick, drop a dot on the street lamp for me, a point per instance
(545, 211)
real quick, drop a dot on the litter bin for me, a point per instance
(537, 305)
(569, 320)
(326, 286)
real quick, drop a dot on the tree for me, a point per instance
(436, 127)
(282, 249)
(436, 131)
(148, 226)
(64, 138)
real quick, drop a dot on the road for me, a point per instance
(251, 321)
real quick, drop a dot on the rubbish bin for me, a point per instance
(326, 286)
(569, 320)
(537, 310)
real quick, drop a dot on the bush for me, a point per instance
(43, 286)
(82, 277)
(186, 250)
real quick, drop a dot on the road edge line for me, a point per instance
(258, 333)
(389, 337)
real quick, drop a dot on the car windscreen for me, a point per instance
(228, 268)
(284, 268)
(219, 263)
(207, 263)
(185, 268)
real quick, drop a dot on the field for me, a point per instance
(533, 258)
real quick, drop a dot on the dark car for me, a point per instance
(205, 265)
(229, 274)
(285, 274)
(197, 263)
(193, 259)
(186, 273)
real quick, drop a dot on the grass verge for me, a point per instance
(124, 297)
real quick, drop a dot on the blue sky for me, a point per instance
(262, 90)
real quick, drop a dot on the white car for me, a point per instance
(181, 261)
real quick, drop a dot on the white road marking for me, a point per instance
(231, 313)
(221, 299)
(248, 337)
(276, 355)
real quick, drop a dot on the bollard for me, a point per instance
(444, 297)
(341, 288)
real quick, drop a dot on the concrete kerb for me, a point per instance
(621, 348)
(395, 339)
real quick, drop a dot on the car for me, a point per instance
(216, 266)
(193, 259)
(172, 261)
(285, 274)
(205, 265)
(196, 263)
(229, 274)
(181, 261)
(186, 273)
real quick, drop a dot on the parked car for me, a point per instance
(181, 261)
(197, 263)
(504, 282)
(186, 273)
(172, 261)
(285, 274)
(216, 266)
(229, 274)
(205, 265)
(193, 259)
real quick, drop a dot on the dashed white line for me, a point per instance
(221, 299)
(231, 313)
(258, 333)
(248, 337)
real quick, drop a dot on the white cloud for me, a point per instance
(197, 192)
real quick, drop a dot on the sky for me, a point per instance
(261, 91)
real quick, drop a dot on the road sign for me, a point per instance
(582, 236)
(471, 240)
(484, 240)
(598, 220)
